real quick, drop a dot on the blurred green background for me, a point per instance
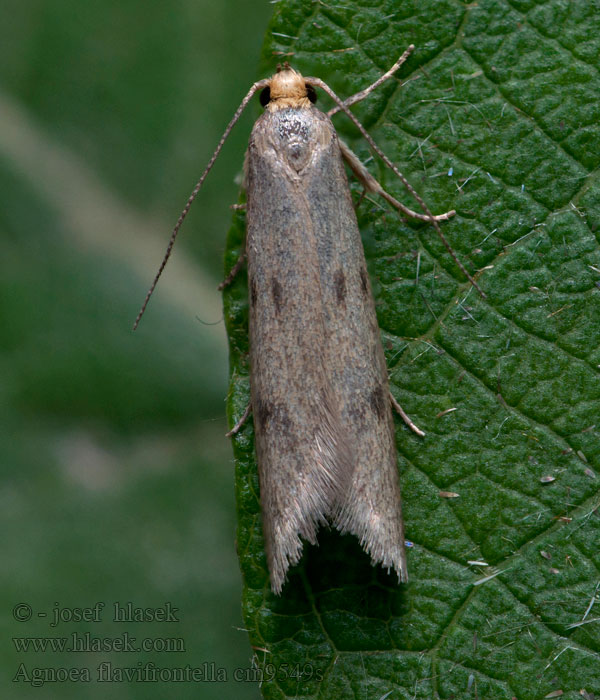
(116, 479)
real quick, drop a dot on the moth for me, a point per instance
(320, 397)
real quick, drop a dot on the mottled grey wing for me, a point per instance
(304, 461)
(356, 363)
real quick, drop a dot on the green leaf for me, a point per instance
(497, 118)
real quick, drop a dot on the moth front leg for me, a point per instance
(371, 185)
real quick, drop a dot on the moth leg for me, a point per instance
(233, 272)
(363, 194)
(371, 185)
(405, 418)
(238, 426)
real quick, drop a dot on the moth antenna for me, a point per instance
(257, 86)
(382, 78)
(317, 82)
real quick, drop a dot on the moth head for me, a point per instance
(287, 88)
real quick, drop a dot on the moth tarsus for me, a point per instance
(372, 185)
(233, 272)
(240, 423)
(405, 417)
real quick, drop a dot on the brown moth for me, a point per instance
(320, 397)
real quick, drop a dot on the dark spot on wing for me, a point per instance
(339, 282)
(296, 150)
(274, 417)
(277, 293)
(377, 401)
(262, 413)
(364, 281)
(282, 420)
(357, 413)
(253, 292)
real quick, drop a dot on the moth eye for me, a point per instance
(311, 93)
(265, 96)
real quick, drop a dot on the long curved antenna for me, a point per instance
(382, 78)
(317, 82)
(257, 86)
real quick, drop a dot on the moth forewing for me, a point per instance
(320, 396)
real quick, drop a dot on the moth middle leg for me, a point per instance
(234, 271)
(238, 426)
(372, 185)
(415, 428)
